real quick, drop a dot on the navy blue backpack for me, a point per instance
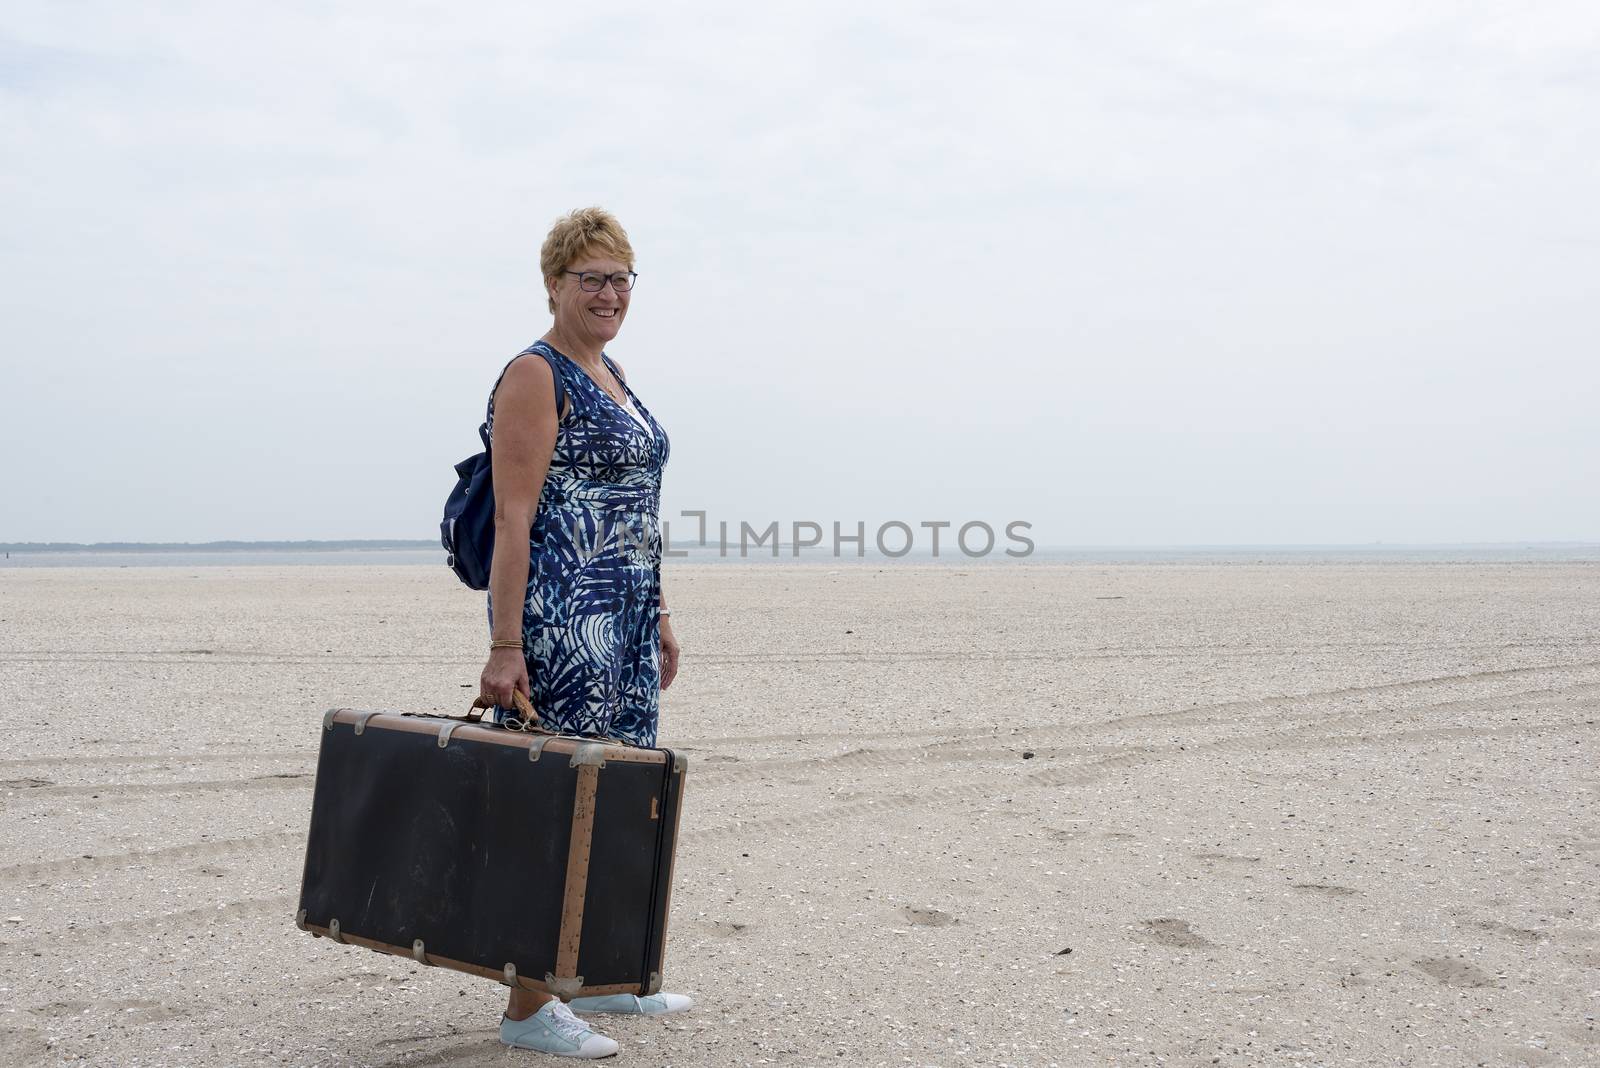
(467, 531)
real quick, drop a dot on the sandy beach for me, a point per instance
(937, 815)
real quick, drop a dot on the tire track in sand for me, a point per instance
(1270, 703)
(1083, 774)
(309, 755)
(111, 792)
(138, 858)
(253, 908)
(956, 746)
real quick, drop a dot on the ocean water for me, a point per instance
(1168, 555)
(223, 558)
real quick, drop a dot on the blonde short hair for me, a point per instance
(579, 233)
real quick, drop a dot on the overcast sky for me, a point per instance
(1134, 273)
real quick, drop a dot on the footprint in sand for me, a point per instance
(1453, 971)
(1516, 934)
(1167, 931)
(926, 917)
(1328, 888)
(23, 1045)
(130, 1011)
(359, 978)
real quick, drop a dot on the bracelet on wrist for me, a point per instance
(666, 613)
(505, 643)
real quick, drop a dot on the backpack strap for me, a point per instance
(555, 372)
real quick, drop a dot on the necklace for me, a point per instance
(618, 397)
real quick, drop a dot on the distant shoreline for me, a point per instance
(432, 544)
(390, 552)
(215, 546)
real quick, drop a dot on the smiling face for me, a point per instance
(592, 317)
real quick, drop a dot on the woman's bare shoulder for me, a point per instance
(529, 384)
(527, 378)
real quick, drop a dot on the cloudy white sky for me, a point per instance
(1135, 273)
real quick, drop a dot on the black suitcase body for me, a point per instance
(542, 861)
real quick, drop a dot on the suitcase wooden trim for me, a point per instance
(504, 977)
(587, 756)
(681, 765)
(567, 745)
(577, 874)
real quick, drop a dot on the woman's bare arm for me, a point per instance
(524, 439)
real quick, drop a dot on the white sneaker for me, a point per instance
(553, 1029)
(653, 1005)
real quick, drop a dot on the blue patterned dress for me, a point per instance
(591, 618)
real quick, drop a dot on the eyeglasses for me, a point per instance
(594, 281)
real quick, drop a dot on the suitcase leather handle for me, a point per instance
(519, 701)
(530, 718)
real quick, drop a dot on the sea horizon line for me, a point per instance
(413, 544)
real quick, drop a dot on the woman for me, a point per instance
(577, 546)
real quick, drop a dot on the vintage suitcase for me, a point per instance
(540, 860)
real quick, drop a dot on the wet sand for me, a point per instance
(1024, 814)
